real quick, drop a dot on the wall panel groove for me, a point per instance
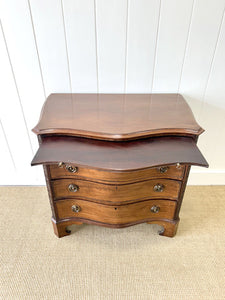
(96, 46)
(49, 32)
(126, 45)
(13, 123)
(141, 38)
(23, 54)
(173, 30)
(111, 28)
(186, 44)
(116, 46)
(200, 48)
(16, 87)
(214, 54)
(215, 92)
(67, 55)
(79, 16)
(156, 46)
(36, 47)
(7, 158)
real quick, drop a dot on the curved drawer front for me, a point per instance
(73, 171)
(156, 189)
(149, 209)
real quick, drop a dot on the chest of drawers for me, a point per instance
(116, 160)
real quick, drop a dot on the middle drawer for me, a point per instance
(89, 190)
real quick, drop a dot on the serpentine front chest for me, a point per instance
(117, 160)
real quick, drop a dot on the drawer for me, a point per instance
(73, 171)
(149, 209)
(89, 190)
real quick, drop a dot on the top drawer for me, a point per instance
(72, 171)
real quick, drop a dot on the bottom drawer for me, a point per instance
(121, 214)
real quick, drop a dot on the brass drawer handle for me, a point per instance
(71, 169)
(178, 166)
(73, 187)
(163, 169)
(159, 187)
(76, 208)
(155, 209)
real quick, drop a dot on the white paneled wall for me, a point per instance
(171, 44)
(111, 36)
(142, 32)
(80, 35)
(110, 46)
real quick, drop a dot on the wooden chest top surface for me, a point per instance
(117, 116)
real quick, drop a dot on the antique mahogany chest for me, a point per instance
(117, 160)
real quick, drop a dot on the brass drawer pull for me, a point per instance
(73, 187)
(76, 208)
(159, 187)
(178, 166)
(155, 209)
(163, 169)
(71, 169)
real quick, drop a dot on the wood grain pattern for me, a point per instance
(50, 190)
(116, 214)
(119, 156)
(169, 226)
(112, 193)
(116, 183)
(172, 172)
(60, 226)
(117, 116)
(182, 190)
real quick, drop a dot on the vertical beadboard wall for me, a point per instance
(110, 46)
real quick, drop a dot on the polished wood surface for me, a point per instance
(114, 150)
(60, 228)
(130, 155)
(117, 116)
(115, 214)
(169, 227)
(99, 175)
(119, 193)
(182, 190)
